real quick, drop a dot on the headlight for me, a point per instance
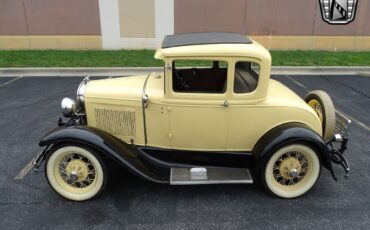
(81, 90)
(69, 107)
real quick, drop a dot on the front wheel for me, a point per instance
(291, 171)
(75, 172)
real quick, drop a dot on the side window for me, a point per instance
(246, 77)
(199, 76)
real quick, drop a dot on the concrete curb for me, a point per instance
(321, 70)
(77, 72)
(125, 71)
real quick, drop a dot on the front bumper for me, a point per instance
(338, 144)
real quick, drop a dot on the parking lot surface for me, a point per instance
(29, 107)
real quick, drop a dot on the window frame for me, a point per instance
(198, 96)
(254, 73)
(249, 97)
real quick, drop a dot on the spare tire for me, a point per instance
(321, 102)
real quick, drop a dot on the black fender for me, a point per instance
(110, 146)
(290, 133)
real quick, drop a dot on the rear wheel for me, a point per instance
(291, 171)
(321, 102)
(75, 172)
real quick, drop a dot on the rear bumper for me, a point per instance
(338, 144)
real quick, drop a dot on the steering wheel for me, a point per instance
(182, 81)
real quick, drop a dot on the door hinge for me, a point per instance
(145, 100)
(168, 67)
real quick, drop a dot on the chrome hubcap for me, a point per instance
(293, 173)
(73, 177)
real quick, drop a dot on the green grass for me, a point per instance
(320, 58)
(142, 58)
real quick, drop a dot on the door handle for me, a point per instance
(226, 103)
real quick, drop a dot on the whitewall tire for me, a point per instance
(291, 171)
(75, 172)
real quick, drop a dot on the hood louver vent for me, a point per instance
(116, 121)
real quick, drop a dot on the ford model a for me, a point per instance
(213, 116)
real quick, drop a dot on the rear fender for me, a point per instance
(286, 134)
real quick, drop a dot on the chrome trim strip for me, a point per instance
(211, 182)
(144, 104)
(187, 180)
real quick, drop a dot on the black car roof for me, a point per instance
(203, 39)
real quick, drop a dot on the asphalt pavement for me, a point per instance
(30, 106)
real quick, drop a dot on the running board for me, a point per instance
(210, 175)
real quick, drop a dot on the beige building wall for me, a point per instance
(135, 24)
(136, 18)
(138, 24)
(49, 24)
(278, 24)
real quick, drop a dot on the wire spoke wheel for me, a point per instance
(75, 173)
(290, 168)
(292, 171)
(76, 170)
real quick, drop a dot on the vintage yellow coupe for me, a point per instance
(213, 116)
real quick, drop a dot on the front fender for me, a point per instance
(287, 134)
(108, 145)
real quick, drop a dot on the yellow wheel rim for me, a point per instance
(75, 173)
(315, 104)
(292, 169)
(77, 167)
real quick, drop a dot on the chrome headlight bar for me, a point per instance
(69, 107)
(81, 90)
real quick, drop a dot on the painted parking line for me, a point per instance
(297, 83)
(359, 123)
(354, 120)
(11, 81)
(25, 170)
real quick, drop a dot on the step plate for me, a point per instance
(215, 175)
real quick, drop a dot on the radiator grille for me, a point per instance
(116, 121)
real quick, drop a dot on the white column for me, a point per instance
(109, 23)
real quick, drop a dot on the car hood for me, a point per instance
(128, 88)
